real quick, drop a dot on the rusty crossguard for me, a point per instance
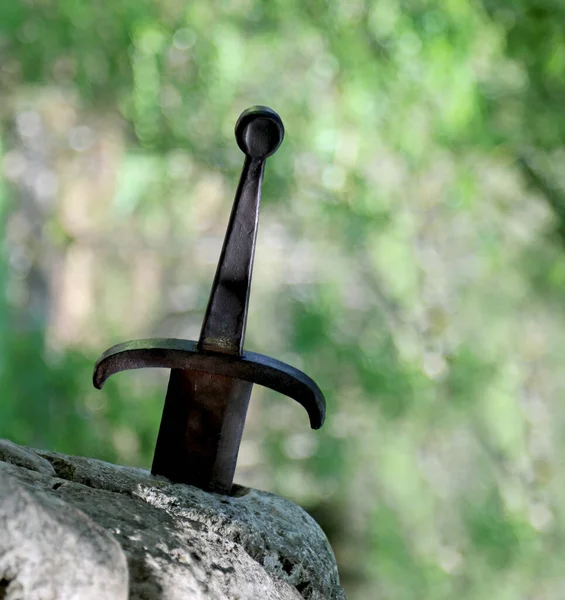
(211, 380)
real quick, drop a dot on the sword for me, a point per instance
(211, 380)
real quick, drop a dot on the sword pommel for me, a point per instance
(259, 132)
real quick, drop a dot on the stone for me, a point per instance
(79, 528)
(22, 457)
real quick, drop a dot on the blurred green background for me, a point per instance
(410, 258)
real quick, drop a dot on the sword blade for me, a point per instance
(201, 429)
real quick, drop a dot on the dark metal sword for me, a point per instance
(211, 380)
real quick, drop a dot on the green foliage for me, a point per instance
(410, 257)
(497, 536)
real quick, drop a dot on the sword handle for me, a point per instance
(259, 131)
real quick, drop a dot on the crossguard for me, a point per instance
(184, 354)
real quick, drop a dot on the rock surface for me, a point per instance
(81, 529)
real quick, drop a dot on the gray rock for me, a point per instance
(79, 528)
(51, 550)
(23, 457)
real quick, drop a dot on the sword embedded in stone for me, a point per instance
(211, 380)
